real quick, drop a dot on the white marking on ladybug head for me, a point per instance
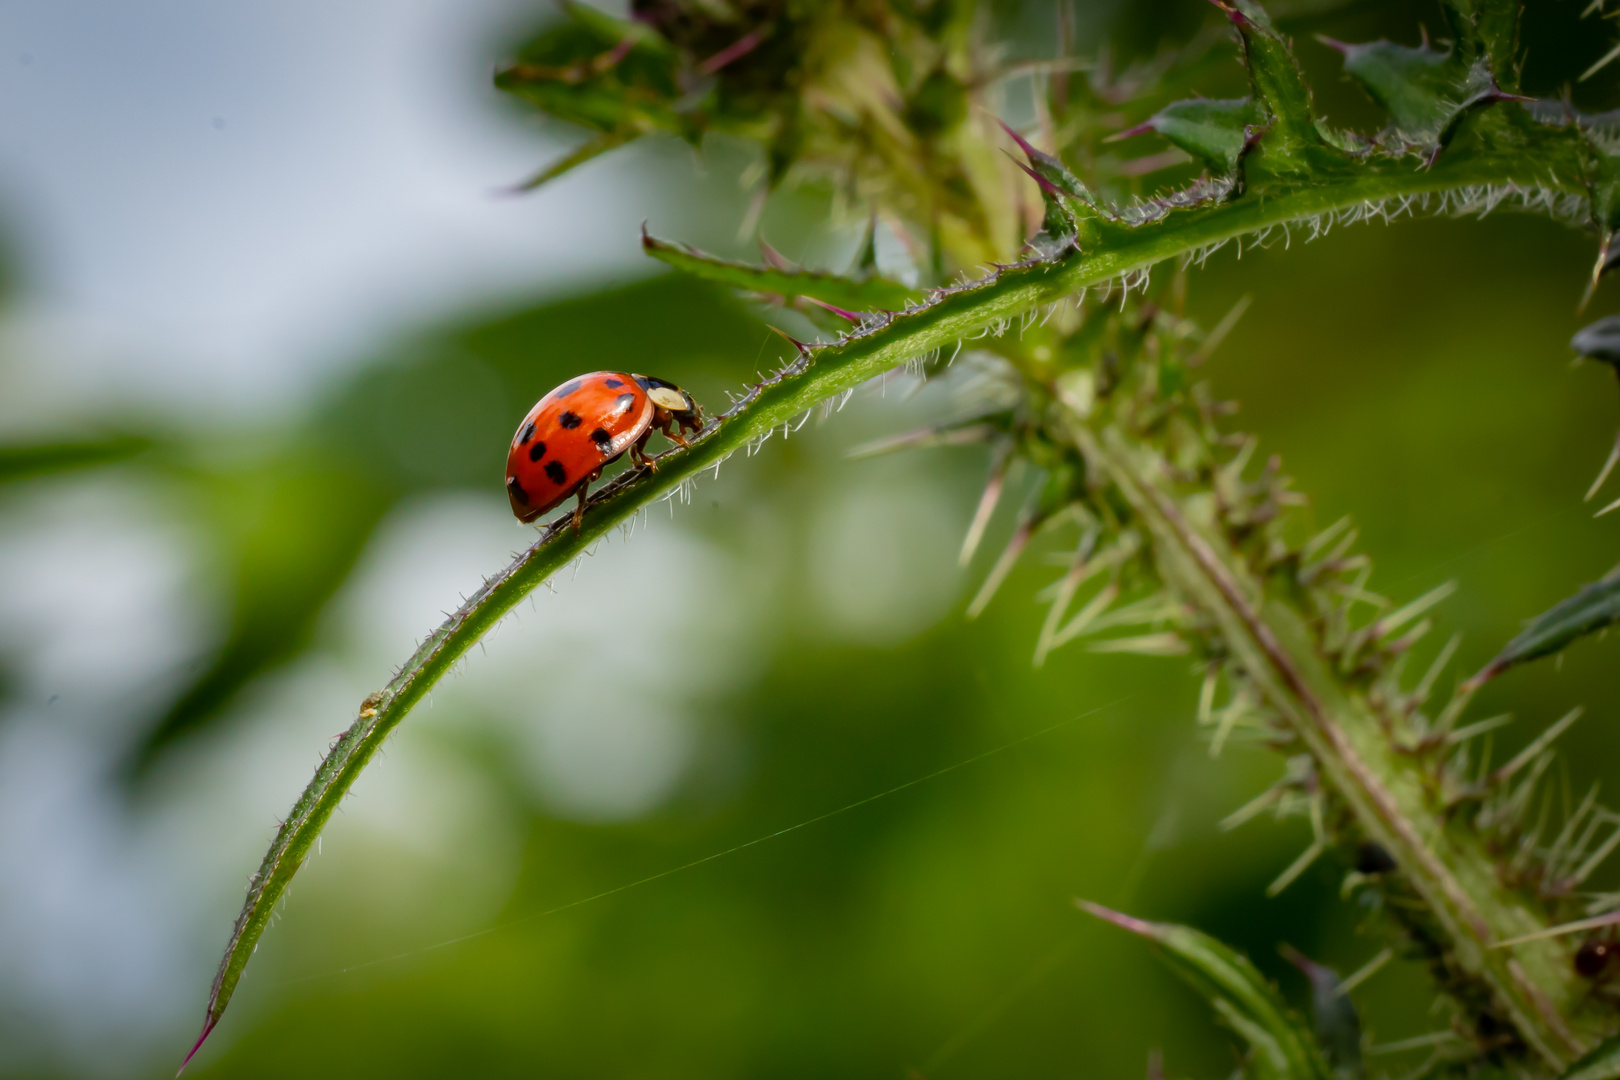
(668, 398)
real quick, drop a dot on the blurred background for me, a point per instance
(269, 319)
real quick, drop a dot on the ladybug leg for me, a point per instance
(673, 434)
(579, 511)
(638, 452)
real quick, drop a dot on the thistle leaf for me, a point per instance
(1593, 608)
(617, 78)
(1216, 132)
(1283, 1048)
(870, 294)
(1072, 211)
(1418, 87)
(1338, 1026)
(1599, 340)
(1274, 74)
(1425, 91)
(1487, 30)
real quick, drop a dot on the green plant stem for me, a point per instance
(1536, 988)
(825, 371)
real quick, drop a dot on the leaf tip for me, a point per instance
(1341, 47)
(208, 1027)
(1023, 143)
(1140, 927)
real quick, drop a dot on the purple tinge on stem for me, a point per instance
(1484, 675)
(774, 257)
(797, 344)
(737, 49)
(1239, 19)
(1046, 185)
(1125, 922)
(1131, 132)
(196, 1046)
(1023, 143)
(852, 316)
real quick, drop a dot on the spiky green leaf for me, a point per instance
(1595, 607)
(1487, 30)
(1338, 1025)
(1072, 210)
(1213, 131)
(1274, 73)
(1417, 87)
(1283, 1047)
(860, 295)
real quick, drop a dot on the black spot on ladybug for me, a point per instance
(537, 451)
(612, 384)
(603, 441)
(569, 420)
(528, 433)
(1592, 957)
(644, 382)
(517, 491)
(556, 472)
(566, 389)
(623, 402)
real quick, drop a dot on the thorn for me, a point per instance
(1599, 268)
(1130, 133)
(1612, 506)
(1608, 467)
(986, 508)
(797, 344)
(1023, 143)
(207, 1028)
(772, 256)
(1046, 185)
(1537, 745)
(735, 51)
(1237, 17)
(1119, 919)
(1334, 43)
(1575, 927)
(1003, 567)
(852, 316)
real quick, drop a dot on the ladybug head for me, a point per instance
(673, 400)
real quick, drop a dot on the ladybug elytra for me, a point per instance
(584, 425)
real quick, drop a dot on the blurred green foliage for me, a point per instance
(1413, 376)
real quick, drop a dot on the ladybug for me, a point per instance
(575, 431)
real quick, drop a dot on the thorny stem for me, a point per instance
(1456, 879)
(884, 341)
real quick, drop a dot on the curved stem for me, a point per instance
(882, 342)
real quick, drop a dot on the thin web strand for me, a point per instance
(857, 804)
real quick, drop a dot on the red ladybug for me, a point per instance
(572, 434)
